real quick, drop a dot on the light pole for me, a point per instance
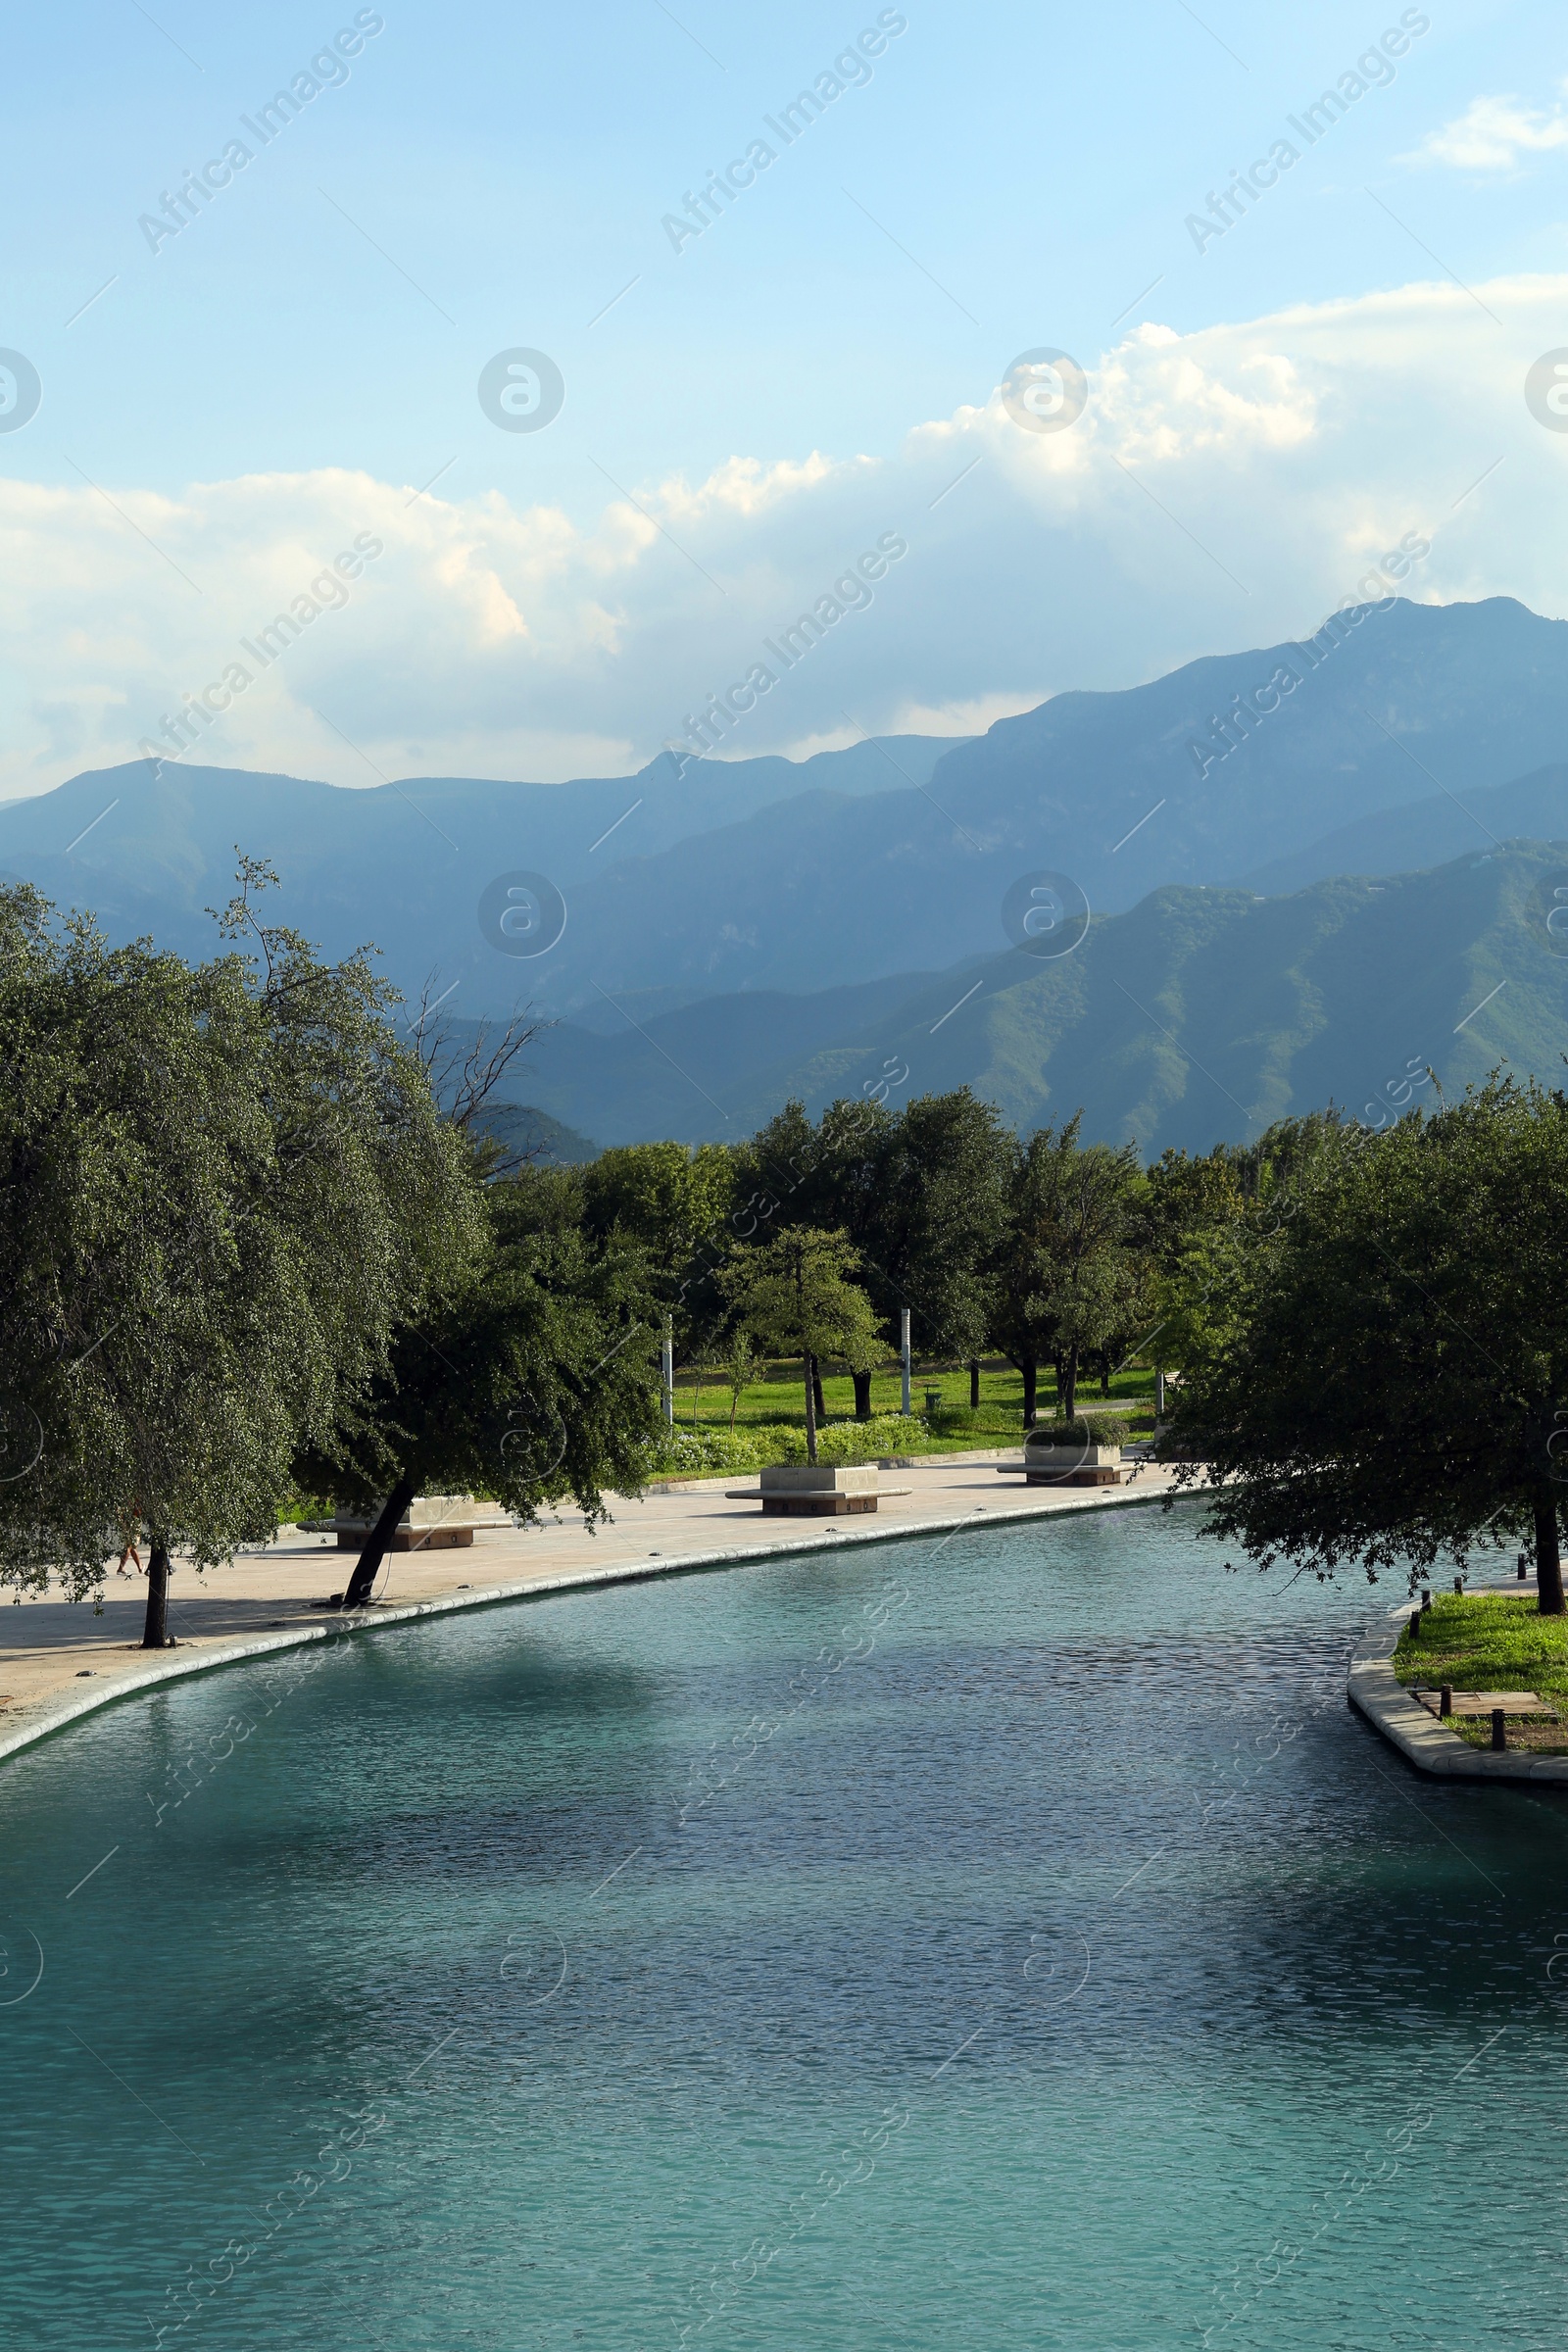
(667, 1353)
(903, 1350)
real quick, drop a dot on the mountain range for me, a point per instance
(1303, 863)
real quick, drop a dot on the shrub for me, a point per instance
(1103, 1429)
(686, 1454)
(865, 1441)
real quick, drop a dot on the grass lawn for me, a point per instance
(1492, 1642)
(779, 1399)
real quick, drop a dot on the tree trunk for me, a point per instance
(1069, 1384)
(862, 1394)
(816, 1391)
(155, 1632)
(361, 1583)
(811, 1414)
(974, 1384)
(1105, 1372)
(1548, 1557)
(734, 1400)
(1031, 1377)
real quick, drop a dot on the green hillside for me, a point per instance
(1200, 1014)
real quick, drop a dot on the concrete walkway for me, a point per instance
(59, 1660)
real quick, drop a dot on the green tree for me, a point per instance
(529, 1378)
(674, 1201)
(1194, 1213)
(740, 1368)
(828, 1177)
(919, 1193)
(934, 1218)
(795, 1294)
(1393, 1384)
(1070, 1265)
(221, 1187)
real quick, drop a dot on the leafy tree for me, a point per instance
(220, 1188)
(1069, 1267)
(527, 1378)
(1193, 1211)
(1394, 1385)
(827, 1177)
(919, 1195)
(796, 1294)
(674, 1202)
(740, 1368)
(934, 1219)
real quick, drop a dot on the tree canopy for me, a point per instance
(1393, 1385)
(527, 1378)
(222, 1186)
(1070, 1263)
(796, 1294)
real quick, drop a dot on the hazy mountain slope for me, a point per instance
(857, 864)
(1427, 832)
(821, 889)
(1415, 695)
(1199, 1014)
(403, 865)
(688, 1073)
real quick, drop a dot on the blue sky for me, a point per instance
(301, 358)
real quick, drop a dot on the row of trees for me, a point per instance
(1369, 1327)
(1047, 1249)
(248, 1246)
(255, 1239)
(1034, 1249)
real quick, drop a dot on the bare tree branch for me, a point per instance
(465, 1077)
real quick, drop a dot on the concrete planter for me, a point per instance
(819, 1490)
(431, 1523)
(1072, 1465)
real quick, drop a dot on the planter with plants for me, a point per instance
(796, 1294)
(1076, 1454)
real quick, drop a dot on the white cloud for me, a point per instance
(1223, 488)
(1492, 134)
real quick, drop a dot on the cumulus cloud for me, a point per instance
(1221, 488)
(1492, 135)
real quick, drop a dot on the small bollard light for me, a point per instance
(1458, 1583)
(1446, 1700)
(1425, 1597)
(1521, 1567)
(1499, 1727)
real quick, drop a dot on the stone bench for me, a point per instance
(814, 1491)
(431, 1523)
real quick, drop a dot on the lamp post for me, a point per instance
(667, 1354)
(903, 1350)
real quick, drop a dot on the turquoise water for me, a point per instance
(1009, 1941)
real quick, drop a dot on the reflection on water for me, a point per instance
(1006, 1941)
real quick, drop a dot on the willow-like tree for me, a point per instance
(1388, 1384)
(220, 1188)
(795, 1294)
(530, 1377)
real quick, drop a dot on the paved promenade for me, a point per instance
(54, 1656)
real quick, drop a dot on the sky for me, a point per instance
(550, 564)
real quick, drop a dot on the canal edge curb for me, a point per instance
(624, 1572)
(1376, 1692)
